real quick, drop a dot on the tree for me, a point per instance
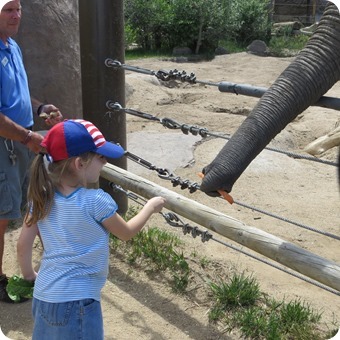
(198, 24)
(249, 20)
(149, 20)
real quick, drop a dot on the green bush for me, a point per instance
(200, 24)
(248, 21)
(130, 36)
(281, 46)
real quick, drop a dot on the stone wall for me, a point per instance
(49, 39)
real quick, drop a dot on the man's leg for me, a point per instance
(3, 227)
(3, 279)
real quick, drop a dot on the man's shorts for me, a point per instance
(13, 178)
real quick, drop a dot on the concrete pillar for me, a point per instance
(49, 40)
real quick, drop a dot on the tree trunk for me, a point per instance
(199, 38)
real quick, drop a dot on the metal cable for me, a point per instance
(166, 174)
(245, 89)
(117, 64)
(203, 132)
(283, 269)
(325, 233)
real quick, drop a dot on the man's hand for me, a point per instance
(34, 142)
(51, 114)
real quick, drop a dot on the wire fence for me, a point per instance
(187, 184)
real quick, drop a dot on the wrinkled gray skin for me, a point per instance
(315, 70)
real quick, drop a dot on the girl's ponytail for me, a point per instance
(40, 191)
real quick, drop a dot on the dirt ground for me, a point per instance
(136, 305)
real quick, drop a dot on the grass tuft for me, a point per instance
(241, 305)
(158, 250)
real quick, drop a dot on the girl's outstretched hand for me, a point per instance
(156, 204)
(117, 226)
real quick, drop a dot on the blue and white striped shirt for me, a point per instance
(74, 265)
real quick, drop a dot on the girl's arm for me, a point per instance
(117, 226)
(24, 250)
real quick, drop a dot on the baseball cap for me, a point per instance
(74, 137)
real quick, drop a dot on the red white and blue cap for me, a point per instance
(74, 137)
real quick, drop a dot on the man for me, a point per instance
(18, 142)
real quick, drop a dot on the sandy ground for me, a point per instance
(136, 305)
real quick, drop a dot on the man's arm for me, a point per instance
(36, 104)
(11, 130)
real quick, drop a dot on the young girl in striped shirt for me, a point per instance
(74, 224)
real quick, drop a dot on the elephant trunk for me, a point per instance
(301, 84)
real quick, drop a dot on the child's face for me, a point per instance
(92, 171)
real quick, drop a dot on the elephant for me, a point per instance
(308, 77)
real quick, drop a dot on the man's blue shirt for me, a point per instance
(15, 101)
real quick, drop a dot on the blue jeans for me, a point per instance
(74, 320)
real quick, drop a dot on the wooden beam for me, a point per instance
(324, 143)
(288, 254)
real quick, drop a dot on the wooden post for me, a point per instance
(101, 27)
(288, 254)
(314, 9)
(271, 11)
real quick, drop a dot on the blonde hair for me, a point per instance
(43, 183)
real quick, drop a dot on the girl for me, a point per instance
(74, 224)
